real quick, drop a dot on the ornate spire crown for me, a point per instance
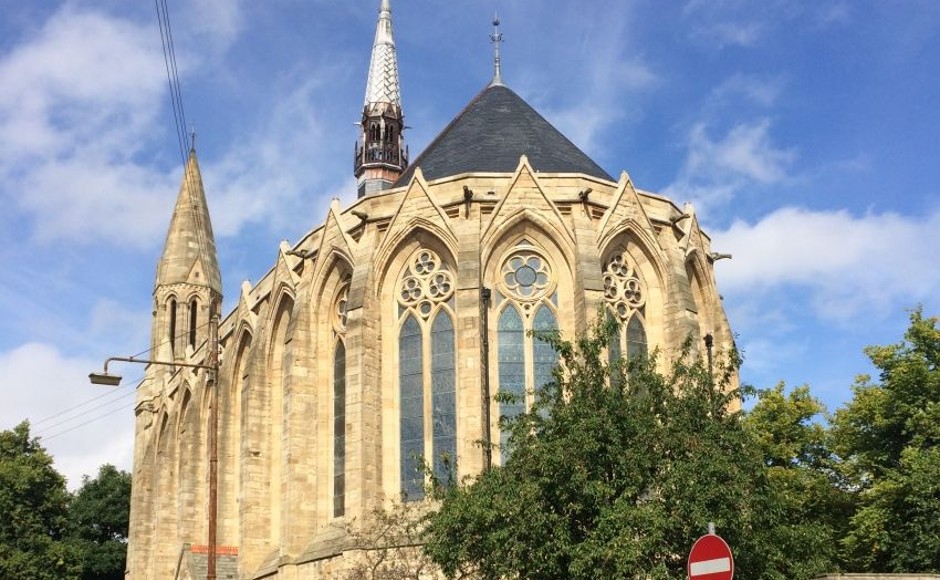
(381, 153)
(383, 85)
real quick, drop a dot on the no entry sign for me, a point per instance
(710, 559)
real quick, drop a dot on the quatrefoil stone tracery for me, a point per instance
(623, 289)
(526, 275)
(425, 282)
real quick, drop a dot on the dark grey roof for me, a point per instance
(490, 135)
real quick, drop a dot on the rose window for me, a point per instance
(526, 275)
(426, 281)
(623, 288)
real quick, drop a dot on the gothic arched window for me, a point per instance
(171, 332)
(527, 301)
(426, 372)
(625, 294)
(339, 430)
(193, 314)
(339, 404)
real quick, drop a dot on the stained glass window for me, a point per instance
(614, 352)
(511, 360)
(411, 365)
(544, 357)
(339, 430)
(427, 352)
(443, 398)
(636, 338)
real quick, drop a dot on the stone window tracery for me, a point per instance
(426, 371)
(526, 301)
(625, 294)
(339, 318)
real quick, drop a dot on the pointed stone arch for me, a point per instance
(273, 415)
(526, 200)
(389, 270)
(231, 386)
(417, 209)
(640, 251)
(165, 528)
(192, 466)
(418, 227)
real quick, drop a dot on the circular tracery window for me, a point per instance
(425, 282)
(623, 288)
(526, 275)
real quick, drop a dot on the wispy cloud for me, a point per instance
(716, 169)
(601, 72)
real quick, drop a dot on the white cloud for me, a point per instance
(80, 100)
(837, 264)
(53, 392)
(715, 170)
(762, 91)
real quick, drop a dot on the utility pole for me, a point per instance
(212, 384)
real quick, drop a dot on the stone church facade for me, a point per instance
(382, 336)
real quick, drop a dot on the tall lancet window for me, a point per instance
(426, 372)
(193, 319)
(171, 330)
(339, 403)
(526, 300)
(625, 294)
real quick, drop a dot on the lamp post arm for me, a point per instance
(153, 362)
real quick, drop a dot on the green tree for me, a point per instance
(33, 511)
(99, 515)
(616, 479)
(887, 436)
(810, 495)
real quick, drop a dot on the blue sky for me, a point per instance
(807, 134)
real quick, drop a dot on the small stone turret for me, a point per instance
(188, 287)
(381, 154)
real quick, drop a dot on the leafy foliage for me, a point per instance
(34, 508)
(99, 517)
(811, 502)
(616, 479)
(888, 436)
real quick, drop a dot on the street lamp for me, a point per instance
(112, 380)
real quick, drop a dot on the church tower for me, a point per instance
(188, 287)
(381, 154)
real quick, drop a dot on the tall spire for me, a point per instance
(496, 38)
(380, 154)
(188, 288)
(382, 85)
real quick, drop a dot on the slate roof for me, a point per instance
(490, 135)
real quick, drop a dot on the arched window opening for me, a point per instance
(511, 361)
(524, 361)
(410, 381)
(544, 357)
(339, 430)
(443, 398)
(636, 338)
(625, 294)
(171, 333)
(193, 315)
(427, 372)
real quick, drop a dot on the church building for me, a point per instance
(381, 338)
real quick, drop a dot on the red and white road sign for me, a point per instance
(710, 559)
